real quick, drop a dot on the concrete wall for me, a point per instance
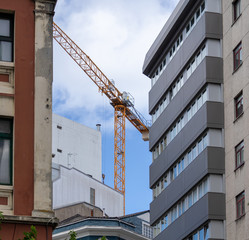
(236, 130)
(82, 209)
(80, 146)
(73, 186)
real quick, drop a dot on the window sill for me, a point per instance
(235, 70)
(238, 117)
(235, 20)
(241, 165)
(240, 217)
(6, 187)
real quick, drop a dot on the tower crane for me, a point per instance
(123, 104)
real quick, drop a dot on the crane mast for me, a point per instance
(123, 107)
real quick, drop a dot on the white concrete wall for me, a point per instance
(80, 146)
(73, 186)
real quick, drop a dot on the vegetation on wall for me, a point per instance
(32, 235)
(72, 235)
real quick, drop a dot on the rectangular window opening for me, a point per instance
(239, 154)
(6, 37)
(236, 10)
(6, 139)
(237, 56)
(238, 101)
(240, 205)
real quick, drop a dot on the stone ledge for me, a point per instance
(31, 220)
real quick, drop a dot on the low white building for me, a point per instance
(77, 168)
(71, 186)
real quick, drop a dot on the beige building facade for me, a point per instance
(236, 109)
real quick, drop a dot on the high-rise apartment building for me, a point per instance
(236, 96)
(187, 134)
(26, 74)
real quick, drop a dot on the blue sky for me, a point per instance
(116, 34)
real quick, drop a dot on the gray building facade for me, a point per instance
(187, 134)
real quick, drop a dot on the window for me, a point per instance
(187, 28)
(240, 204)
(92, 196)
(202, 6)
(5, 151)
(237, 56)
(198, 13)
(236, 10)
(239, 154)
(6, 37)
(147, 231)
(238, 105)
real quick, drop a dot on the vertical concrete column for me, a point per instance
(44, 11)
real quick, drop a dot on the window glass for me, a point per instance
(200, 146)
(183, 205)
(202, 6)
(187, 28)
(180, 209)
(182, 163)
(5, 151)
(238, 105)
(198, 58)
(175, 171)
(236, 10)
(193, 65)
(239, 151)
(165, 181)
(188, 71)
(6, 37)
(205, 141)
(198, 13)
(5, 27)
(194, 152)
(179, 167)
(5, 161)
(205, 187)
(237, 56)
(171, 175)
(240, 204)
(4, 126)
(200, 188)
(194, 108)
(189, 114)
(5, 51)
(195, 196)
(192, 21)
(206, 232)
(199, 102)
(190, 200)
(203, 52)
(204, 96)
(166, 221)
(195, 236)
(189, 157)
(201, 234)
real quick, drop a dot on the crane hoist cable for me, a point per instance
(122, 102)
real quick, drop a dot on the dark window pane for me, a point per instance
(5, 161)
(4, 126)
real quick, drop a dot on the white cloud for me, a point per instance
(116, 34)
